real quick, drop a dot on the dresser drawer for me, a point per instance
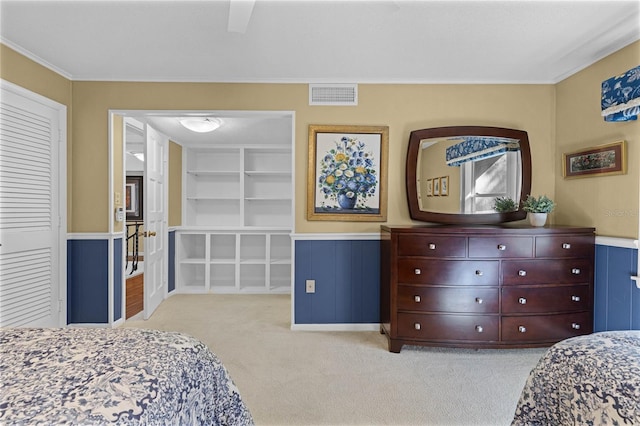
(448, 272)
(448, 327)
(500, 247)
(553, 327)
(561, 271)
(448, 299)
(523, 300)
(432, 246)
(565, 246)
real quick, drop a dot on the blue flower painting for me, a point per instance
(347, 173)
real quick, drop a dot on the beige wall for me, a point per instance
(401, 107)
(609, 203)
(118, 168)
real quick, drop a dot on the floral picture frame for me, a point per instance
(601, 160)
(347, 173)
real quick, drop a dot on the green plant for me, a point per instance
(504, 205)
(542, 204)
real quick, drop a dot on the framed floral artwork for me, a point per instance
(347, 178)
(609, 159)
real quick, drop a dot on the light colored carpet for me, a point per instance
(344, 378)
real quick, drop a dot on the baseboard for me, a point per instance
(335, 327)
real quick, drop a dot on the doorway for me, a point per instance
(134, 243)
(239, 127)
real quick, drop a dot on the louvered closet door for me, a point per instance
(29, 212)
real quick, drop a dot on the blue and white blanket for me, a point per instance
(113, 376)
(586, 380)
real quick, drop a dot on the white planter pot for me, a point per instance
(537, 219)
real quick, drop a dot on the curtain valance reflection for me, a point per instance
(474, 148)
(621, 96)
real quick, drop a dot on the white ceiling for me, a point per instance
(354, 41)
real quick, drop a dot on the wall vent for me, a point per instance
(333, 94)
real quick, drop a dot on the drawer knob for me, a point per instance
(479, 300)
(417, 326)
(502, 247)
(575, 298)
(432, 246)
(522, 273)
(575, 271)
(566, 246)
(417, 299)
(522, 301)
(575, 326)
(417, 271)
(479, 328)
(478, 272)
(522, 329)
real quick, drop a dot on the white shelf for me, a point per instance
(238, 215)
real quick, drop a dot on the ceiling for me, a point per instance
(355, 41)
(302, 41)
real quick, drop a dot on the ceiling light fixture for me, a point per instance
(200, 124)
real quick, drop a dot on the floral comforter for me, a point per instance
(118, 376)
(585, 380)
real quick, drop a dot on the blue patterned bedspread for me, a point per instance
(585, 380)
(117, 376)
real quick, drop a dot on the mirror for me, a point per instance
(454, 174)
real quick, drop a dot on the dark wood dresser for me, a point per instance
(485, 286)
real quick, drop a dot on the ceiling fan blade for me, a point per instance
(239, 15)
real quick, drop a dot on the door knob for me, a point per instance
(147, 234)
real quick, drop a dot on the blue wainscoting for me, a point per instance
(117, 279)
(88, 278)
(347, 275)
(616, 299)
(87, 281)
(172, 263)
(347, 281)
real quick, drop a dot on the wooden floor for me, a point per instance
(135, 295)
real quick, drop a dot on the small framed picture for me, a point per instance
(436, 186)
(429, 187)
(444, 185)
(603, 160)
(133, 198)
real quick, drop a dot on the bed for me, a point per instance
(113, 376)
(587, 380)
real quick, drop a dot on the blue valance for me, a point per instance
(474, 148)
(621, 96)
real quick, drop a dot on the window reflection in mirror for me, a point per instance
(474, 165)
(486, 179)
(473, 185)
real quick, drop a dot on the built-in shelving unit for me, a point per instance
(237, 217)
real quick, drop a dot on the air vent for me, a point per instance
(333, 94)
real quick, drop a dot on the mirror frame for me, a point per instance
(413, 151)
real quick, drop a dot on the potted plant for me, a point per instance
(504, 205)
(538, 208)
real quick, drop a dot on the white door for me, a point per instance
(155, 220)
(32, 206)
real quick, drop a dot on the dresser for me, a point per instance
(499, 286)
